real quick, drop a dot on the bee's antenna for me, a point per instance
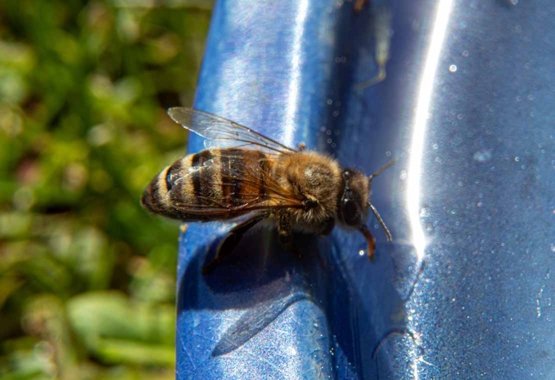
(387, 165)
(380, 220)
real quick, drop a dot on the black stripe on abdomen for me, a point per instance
(201, 176)
(232, 169)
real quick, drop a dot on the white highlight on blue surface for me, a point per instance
(419, 127)
(295, 70)
(420, 124)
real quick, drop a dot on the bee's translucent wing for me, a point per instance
(220, 132)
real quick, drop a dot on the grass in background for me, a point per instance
(87, 277)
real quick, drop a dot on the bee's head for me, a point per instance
(354, 201)
(352, 209)
(157, 195)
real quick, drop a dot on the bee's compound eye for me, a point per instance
(351, 213)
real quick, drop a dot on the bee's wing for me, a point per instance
(254, 175)
(220, 132)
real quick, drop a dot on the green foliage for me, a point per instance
(87, 277)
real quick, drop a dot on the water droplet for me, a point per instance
(517, 158)
(465, 53)
(482, 155)
(452, 68)
(403, 175)
(361, 252)
(539, 303)
(329, 102)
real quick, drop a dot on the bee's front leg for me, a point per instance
(370, 240)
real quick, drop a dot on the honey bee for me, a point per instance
(243, 173)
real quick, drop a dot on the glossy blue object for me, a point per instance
(466, 288)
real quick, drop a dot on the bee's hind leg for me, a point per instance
(230, 242)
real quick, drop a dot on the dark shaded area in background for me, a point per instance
(87, 277)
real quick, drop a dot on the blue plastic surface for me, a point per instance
(468, 111)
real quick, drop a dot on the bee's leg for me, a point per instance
(325, 229)
(230, 242)
(285, 233)
(358, 5)
(370, 240)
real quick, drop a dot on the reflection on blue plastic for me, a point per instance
(466, 288)
(420, 121)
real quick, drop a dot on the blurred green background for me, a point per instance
(87, 277)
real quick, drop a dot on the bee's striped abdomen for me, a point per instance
(198, 180)
(212, 184)
(242, 174)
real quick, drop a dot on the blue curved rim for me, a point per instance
(466, 110)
